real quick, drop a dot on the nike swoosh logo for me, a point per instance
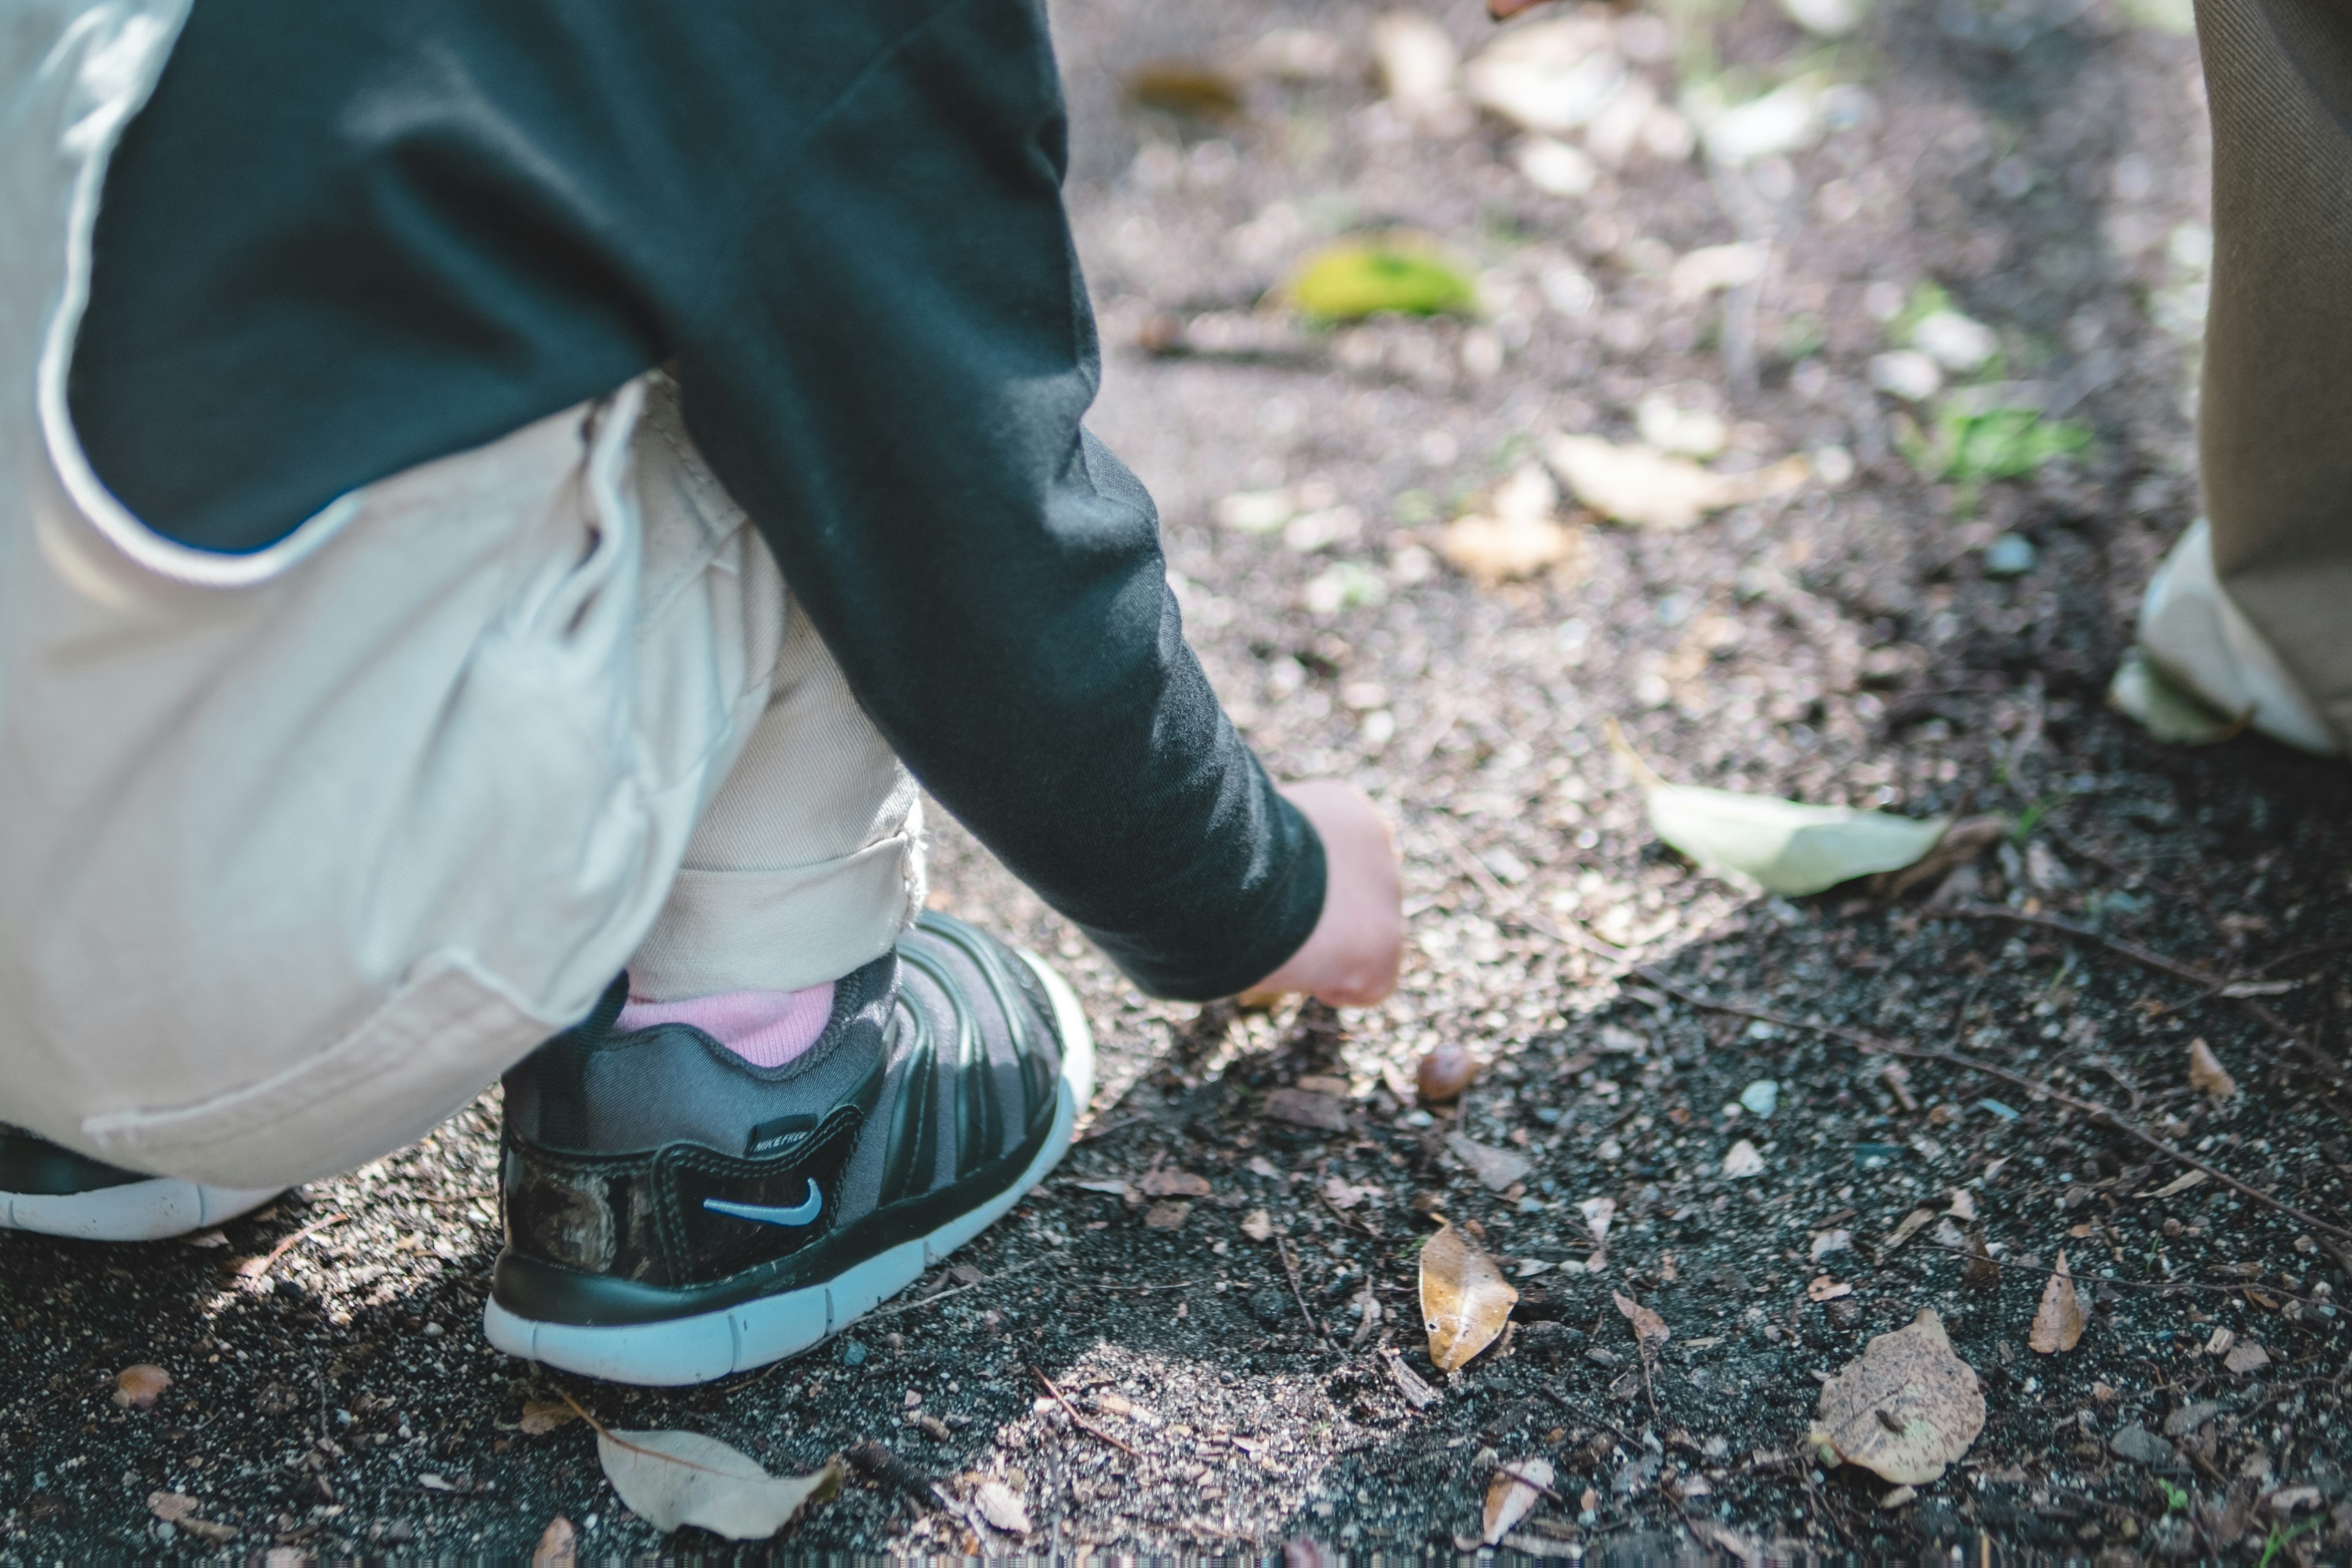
(803, 1212)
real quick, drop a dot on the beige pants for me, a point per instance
(2276, 421)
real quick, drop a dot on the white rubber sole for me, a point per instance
(151, 1210)
(737, 1339)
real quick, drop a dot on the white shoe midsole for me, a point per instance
(148, 1210)
(736, 1339)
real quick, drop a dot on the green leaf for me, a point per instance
(1397, 273)
(1784, 846)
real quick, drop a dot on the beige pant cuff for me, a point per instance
(782, 930)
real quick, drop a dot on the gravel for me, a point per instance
(1868, 645)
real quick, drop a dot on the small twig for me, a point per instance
(2035, 1086)
(1084, 1424)
(620, 1442)
(1282, 1250)
(2213, 983)
(256, 1267)
(1105, 1129)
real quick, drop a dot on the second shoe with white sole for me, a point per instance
(674, 1213)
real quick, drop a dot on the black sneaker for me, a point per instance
(674, 1213)
(52, 1189)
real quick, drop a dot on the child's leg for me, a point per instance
(2275, 421)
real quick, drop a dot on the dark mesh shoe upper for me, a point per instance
(661, 1158)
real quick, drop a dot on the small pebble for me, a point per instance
(1762, 1097)
(2010, 555)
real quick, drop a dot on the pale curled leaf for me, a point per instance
(543, 1415)
(1002, 1507)
(1913, 1224)
(1784, 846)
(1259, 1226)
(2058, 1321)
(1465, 1300)
(1905, 1409)
(1645, 487)
(674, 1478)
(2207, 1074)
(1512, 1495)
(1598, 1213)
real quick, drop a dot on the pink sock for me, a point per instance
(766, 1028)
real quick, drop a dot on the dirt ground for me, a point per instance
(2041, 161)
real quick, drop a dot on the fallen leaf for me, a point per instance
(1002, 1507)
(1828, 1241)
(1784, 846)
(1367, 1310)
(1465, 1300)
(1905, 1409)
(209, 1530)
(1166, 1216)
(1742, 1161)
(2207, 1074)
(1343, 1194)
(1712, 268)
(205, 1238)
(1323, 1082)
(2246, 1357)
(1304, 1107)
(1963, 1206)
(1824, 1289)
(1495, 1168)
(1187, 88)
(1109, 1186)
(1898, 1497)
(1962, 842)
(1650, 1331)
(1172, 1183)
(1512, 1495)
(1598, 1213)
(559, 1545)
(543, 1415)
(171, 1506)
(1399, 273)
(1258, 1226)
(2058, 1321)
(1913, 1224)
(673, 1479)
(1415, 1389)
(1513, 534)
(1979, 1267)
(2180, 1183)
(140, 1386)
(1644, 488)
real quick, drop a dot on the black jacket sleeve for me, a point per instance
(345, 238)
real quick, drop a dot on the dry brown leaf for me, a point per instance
(1166, 1216)
(1259, 1226)
(1824, 1289)
(672, 1478)
(543, 1415)
(1465, 1300)
(1512, 1495)
(1650, 1331)
(1979, 1267)
(2180, 1183)
(1496, 550)
(2058, 1321)
(1344, 1194)
(1645, 487)
(1172, 1183)
(171, 1506)
(1416, 1391)
(1905, 1409)
(140, 1386)
(1304, 1107)
(1002, 1507)
(2207, 1074)
(1962, 842)
(1913, 1224)
(2247, 1357)
(559, 1545)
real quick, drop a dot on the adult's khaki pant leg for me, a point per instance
(2276, 421)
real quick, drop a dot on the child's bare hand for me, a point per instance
(1350, 958)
